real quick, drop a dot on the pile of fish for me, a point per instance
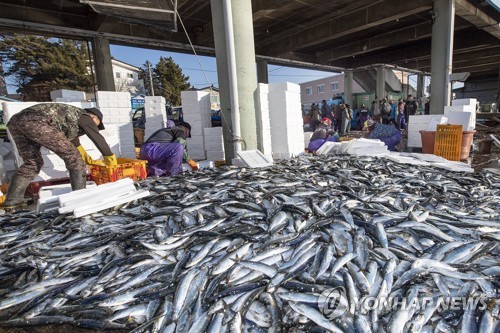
(295, 247)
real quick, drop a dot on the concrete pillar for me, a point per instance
(420, 85)
(246, 71)
(102, 62)
(223, 76)
(380, 82)
(262, 74)
(441, 54)
(348, 88)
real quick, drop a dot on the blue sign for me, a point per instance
(137, 103)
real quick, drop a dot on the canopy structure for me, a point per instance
(307, 33)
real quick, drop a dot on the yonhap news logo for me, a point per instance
(335, 302)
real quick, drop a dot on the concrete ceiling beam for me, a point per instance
(465, 41)
(344, 25)
(480, 19)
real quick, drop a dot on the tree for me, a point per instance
(168, 81)
(40, 65)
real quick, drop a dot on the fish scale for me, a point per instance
(263, 245)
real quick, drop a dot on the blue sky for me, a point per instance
(191, 67)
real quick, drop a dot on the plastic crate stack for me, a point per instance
(156, 114)
(286, 120)
(196, 110)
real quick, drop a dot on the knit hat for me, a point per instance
(327, 121)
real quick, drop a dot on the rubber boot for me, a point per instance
(78, 179)
(15, 192)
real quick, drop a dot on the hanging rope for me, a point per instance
(223, 118)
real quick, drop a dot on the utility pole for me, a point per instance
(150, 73)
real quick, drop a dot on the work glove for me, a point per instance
(87, 159)
(110, 160)
(193, 165)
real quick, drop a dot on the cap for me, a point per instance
(368, 123)
(98, 113)
(186, 125)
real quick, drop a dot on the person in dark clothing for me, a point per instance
(388, 134)
(55, 126)
(410, 108)
(322, 134)
(363, 116)
(165, 150)
(427, 107)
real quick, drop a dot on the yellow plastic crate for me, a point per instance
(448, 142)
(126, 168)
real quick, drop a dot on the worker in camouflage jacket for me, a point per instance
(56, 127)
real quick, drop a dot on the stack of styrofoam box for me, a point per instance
(263, 120)
(462, 112)
(115, 107)
(64, 95)
(307, 138)
(156, 114)
(214, 143)
(196, 110)
(286, 120)
(421, 123)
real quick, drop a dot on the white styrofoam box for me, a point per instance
(363, 143)
(71, 95)
(461, 118)
(9, 165)
(461, 115)
(215, 155)
(195, 140)
(459, 108)
(153, 124)
(214, 145)
(213, 131)
(370, 151)
(284, 86)
(396, 157)
(254, 158)
(465, 101)
(328, 148)
(286, 121)
(112, 95)
(429, 158)
(436, 120)
(65, 100)
(196, 154)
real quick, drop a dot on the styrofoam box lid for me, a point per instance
(254, 158)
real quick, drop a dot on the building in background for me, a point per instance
(127, 77)
(324, 89)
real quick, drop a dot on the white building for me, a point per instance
(127, 77)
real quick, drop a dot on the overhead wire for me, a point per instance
(223, 118)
